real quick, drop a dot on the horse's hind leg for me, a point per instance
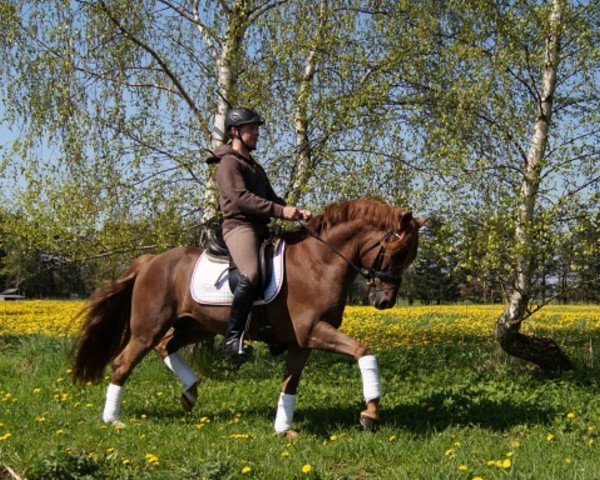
(122, 366)
(140, 343)
(184, 333)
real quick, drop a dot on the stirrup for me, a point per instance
(236, 351)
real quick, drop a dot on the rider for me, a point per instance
(248, 202)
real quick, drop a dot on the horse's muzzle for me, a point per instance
(383, 304)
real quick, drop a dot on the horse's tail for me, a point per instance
(105, 329)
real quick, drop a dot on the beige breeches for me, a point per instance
(243, 244)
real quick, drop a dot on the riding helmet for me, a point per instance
(236, 117)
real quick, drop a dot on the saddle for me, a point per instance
(217, 250)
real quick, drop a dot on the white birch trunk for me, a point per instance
(543, 352)
(302, 159)
(228, 62)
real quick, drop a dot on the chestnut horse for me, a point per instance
(150, 306)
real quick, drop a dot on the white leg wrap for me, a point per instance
(285, 412)
(113, 403)
(184, 373)
(370, 377)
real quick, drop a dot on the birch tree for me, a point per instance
(509, 125)
(118, 102)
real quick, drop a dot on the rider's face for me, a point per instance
(249, 135)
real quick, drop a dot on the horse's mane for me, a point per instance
(371, 210)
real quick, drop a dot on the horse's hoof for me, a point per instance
(368, 422)
(290, 434)
(189, 397)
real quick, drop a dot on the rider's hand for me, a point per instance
(294, 213)
(306, 215)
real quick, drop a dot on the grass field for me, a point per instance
(454, 406)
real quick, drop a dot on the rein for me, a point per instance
(368, 273)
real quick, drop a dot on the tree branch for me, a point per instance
(260, 10)
(165, 68)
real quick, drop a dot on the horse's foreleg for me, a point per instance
(325, 337)
(295, 361)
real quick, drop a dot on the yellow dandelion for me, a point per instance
(477, 478)
(333, 438)
(463, 468)
(449, 452)
(306, 468)
(110, 450)
(125, 461)
(151, 459)
(568, 460)
(246, 470)
(570, 415)
(391, 439)
(37, 390)
(285, 453)
(59, 432)
(550, 437)
(506, 463)
(6, 436)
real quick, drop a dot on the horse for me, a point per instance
(150, 306)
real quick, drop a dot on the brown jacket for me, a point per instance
(245, 194)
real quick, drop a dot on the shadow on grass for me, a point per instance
(413, 418)
(495, 416)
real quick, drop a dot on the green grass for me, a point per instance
(444, 406)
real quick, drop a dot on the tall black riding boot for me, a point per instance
(243, 297)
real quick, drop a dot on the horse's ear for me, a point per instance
(406, 220)
(421, 221)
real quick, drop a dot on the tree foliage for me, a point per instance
(430, 105)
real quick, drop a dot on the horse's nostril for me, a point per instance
(383, 304)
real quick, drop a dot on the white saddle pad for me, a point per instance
(210, 280)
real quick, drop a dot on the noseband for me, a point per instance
(373, 271)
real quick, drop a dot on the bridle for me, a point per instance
(373, 272)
